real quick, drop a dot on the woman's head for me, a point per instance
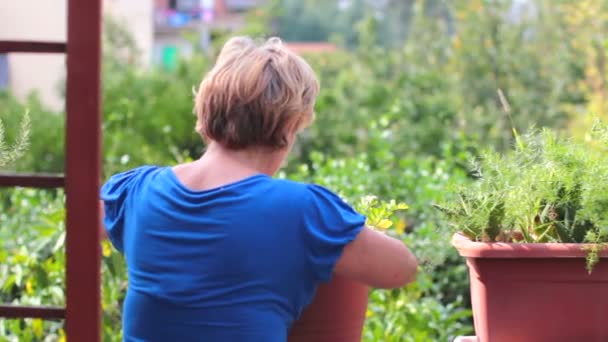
(255, 96)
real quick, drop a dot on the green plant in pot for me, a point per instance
(533, 227)
(337, 312)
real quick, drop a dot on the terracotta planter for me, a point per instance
(535, 292)
(337, 313)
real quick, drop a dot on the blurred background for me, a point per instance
(412, 91)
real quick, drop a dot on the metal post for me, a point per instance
(83, 252)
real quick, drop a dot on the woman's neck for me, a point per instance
(220, 166)
(246, 161)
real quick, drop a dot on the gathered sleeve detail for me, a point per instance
(115, 194)
(330, 224)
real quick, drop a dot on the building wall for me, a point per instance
(47, 20)
(35, 20)
(138, 18)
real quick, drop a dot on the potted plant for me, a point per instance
(533, 227)
(337, 312)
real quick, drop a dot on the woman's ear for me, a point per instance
(292, 133)
(292, 136)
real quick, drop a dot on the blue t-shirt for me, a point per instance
(235, 263)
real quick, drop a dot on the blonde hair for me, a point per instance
(255, 94)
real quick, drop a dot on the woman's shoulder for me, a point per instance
(120, 181)
(135, 172)
(297, 188)
(310, 194)
(309, 190)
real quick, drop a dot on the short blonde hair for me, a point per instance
(255, 94)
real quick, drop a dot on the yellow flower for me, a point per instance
(61, 336)
(20, 258)
(369, 313)
(28, 287)
(400, 227)
(384, 224)
(456, 42)
(106, 249)
(37, 327)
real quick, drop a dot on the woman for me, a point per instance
(218, 250)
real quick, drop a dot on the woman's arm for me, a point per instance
(377, 260)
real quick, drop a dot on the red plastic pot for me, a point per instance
(336, 314)
(535, 292)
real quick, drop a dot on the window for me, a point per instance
(3, 71)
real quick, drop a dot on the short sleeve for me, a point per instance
(114, 194)
(330, 224)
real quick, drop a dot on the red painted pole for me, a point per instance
(83, 252)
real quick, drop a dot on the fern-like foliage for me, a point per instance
(10, 153)
(549, 188)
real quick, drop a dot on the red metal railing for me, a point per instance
(45, 181)
(21, 46)
(46, 312)
(83, 120)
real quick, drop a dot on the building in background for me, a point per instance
(46, 21)
(159, 28)
(174, 20)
